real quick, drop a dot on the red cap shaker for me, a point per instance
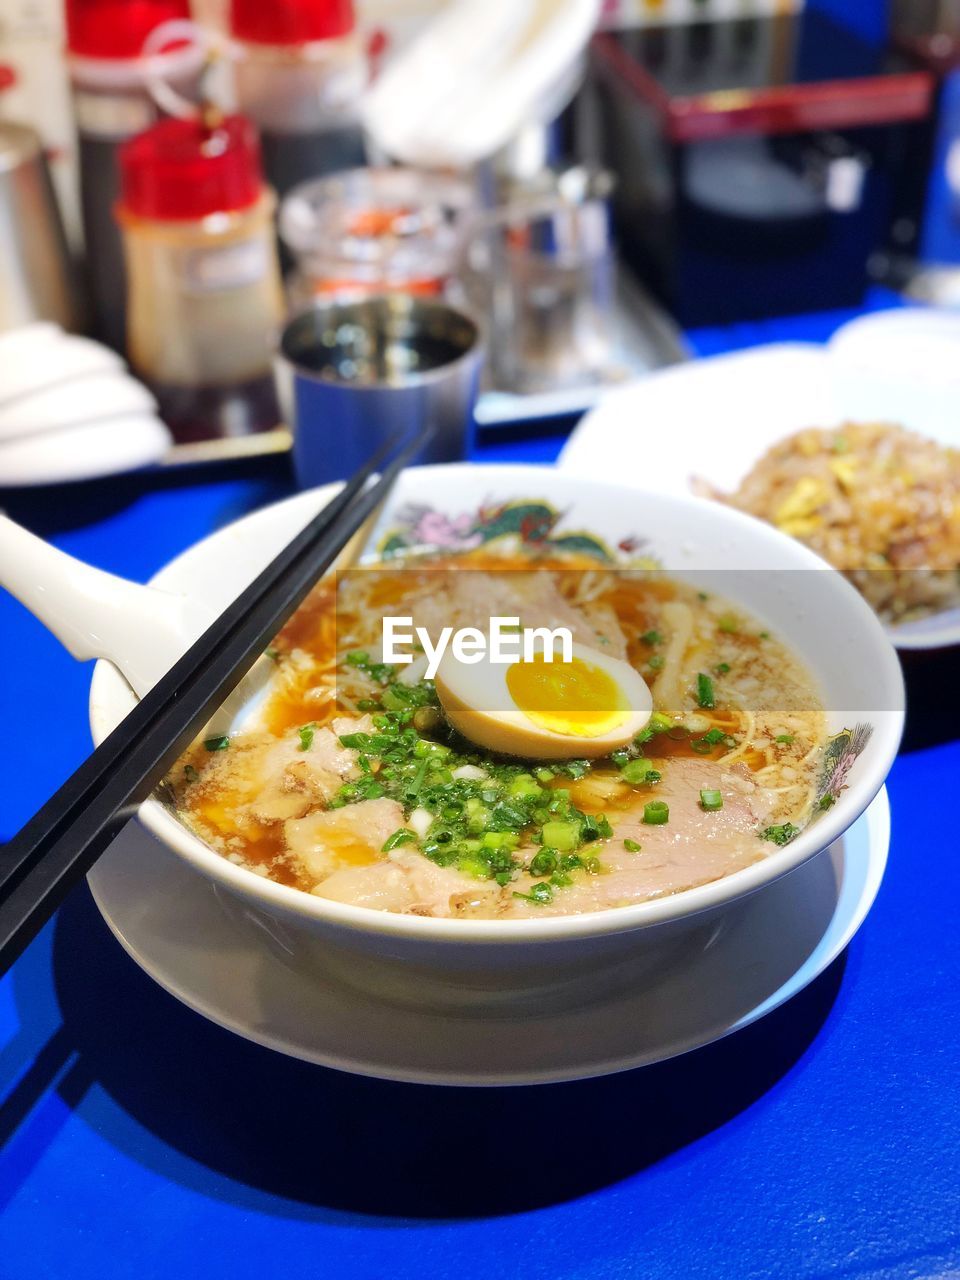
(290, 21)
(117, 28)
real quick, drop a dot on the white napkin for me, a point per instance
(474, 77)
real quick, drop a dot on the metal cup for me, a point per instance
(353, 376)
(36, 281)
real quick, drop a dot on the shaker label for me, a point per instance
(229, 267)
(105, 115)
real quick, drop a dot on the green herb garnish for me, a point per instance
(306, 736)
(710, 800)
(705, 697)
(403, 835)
(539, 893)
(639, 772)
(651, 638)
(545, 863)
(780, 835)
(631, 846)
(656, 813)
(219, 743)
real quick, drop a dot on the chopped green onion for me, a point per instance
(523, 785)
(189, 773)
(544, 863)
(660, 723)
(631, 846)
(403, 835)
(763, 635)
(827, 800)
(219, 743)
(710, 800)
(722, 668)
(705, 696)
(636, 772)
(540, 893)
(306, 737)
(545, 775)
(656, 813)
(561, 835)
(728, 624)
(656, 662)
(784, 739)
(575, 768)
(780, 835)
(702, 595)
(651, 637)
(592, 866)
(272, 654)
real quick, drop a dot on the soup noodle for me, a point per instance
(353, 786)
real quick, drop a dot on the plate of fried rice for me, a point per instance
(793, 435)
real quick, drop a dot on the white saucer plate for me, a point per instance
(177, 928)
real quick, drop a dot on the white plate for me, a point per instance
(84, 452)
(714, 418)
(179, 930)
(38, 356)
(81, 401)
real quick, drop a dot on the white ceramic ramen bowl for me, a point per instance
(520, 966)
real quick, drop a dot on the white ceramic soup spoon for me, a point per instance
(141, 630)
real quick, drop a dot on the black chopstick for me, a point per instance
(64, 839)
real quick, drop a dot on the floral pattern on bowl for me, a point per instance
(840, 753)
(530, 523)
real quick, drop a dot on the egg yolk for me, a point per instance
(574, 698)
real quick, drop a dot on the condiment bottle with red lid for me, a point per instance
(112, 102)
(300, 76)
(204, 296)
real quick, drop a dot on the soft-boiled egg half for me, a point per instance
(549, 710)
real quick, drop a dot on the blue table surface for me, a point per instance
(141, 1140)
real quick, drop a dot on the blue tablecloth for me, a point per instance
(143, 1141)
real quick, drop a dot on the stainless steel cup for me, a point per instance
(36, 281)
(353, 376)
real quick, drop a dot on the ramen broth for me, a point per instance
(352, 785)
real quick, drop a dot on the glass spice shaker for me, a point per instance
(300, 76)
(204, 294)
(112, 102)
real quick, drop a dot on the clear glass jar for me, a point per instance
(374, 231)
(204, 293)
